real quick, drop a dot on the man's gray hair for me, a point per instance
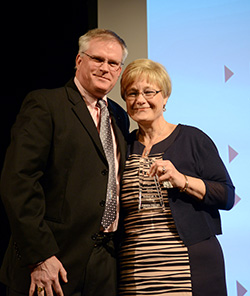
(103, 35)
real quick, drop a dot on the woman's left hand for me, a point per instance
(166, 171)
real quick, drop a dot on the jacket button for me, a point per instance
(104, 172)
(93, 237)
(102, 203)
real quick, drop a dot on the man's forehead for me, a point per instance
(98, 44)
(102, 39)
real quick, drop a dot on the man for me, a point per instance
(57, 175)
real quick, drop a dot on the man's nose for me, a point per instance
(104, 66)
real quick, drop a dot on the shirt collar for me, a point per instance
(88, 98)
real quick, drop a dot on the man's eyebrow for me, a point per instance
(102, 58)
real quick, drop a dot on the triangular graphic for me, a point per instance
(241, 291)
(228, 73)
(237, 199)
(232, 153)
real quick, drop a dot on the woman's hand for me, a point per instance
(166, 171)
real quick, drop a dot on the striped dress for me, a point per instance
(153, 259)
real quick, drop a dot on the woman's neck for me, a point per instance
(154, 133)
(149, 133)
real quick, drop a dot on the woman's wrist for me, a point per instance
(185, 187)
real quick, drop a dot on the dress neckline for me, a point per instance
(167, 142)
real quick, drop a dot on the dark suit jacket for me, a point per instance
(54, 182)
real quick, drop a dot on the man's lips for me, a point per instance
(102, 77)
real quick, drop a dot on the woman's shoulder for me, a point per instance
(183, 130)
(196, 135)
(192, 131)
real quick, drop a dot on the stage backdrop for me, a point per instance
(205, 46)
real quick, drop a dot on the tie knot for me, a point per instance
(101, 103)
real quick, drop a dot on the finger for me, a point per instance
(40, 290)
(48, 290)
(153, 169)
(164, 177)
(163, 170)
(160, 170)
(57, 288)
(63, 274)
(32, 289)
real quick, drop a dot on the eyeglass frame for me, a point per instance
(143, 94)
(100, 61)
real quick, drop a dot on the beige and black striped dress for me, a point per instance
(153, 259)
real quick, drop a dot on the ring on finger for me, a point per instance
(40, 289)
(163, 169)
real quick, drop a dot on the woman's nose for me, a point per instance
(140, 98)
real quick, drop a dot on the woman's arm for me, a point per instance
(207, 176)
(166, 171)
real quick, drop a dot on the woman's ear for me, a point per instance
(165, 100)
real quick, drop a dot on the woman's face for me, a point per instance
(144, 110)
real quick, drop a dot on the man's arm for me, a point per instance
(21, 190)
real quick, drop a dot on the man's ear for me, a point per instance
(78, 60)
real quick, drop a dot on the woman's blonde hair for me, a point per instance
(149, 70)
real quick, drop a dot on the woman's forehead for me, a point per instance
(143, 82)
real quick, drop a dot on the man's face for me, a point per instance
(95, 69)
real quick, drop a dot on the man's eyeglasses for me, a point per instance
(99, 61)
(147, 94)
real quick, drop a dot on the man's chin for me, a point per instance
(102, 91)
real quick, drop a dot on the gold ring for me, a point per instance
(40, 289)
(163, 169)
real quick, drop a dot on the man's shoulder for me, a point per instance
(52, 92)
(47, 93)
(52, 96)
(120, 115)
(117, 110)
(115, 105)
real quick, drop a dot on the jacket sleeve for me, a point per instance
(219, 187)
(21, 190)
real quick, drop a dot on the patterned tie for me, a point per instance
(107, 143)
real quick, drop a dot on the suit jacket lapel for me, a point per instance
(81, 111)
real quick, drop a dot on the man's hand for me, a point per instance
(45, 278)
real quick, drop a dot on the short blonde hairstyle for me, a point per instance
(101, 34)
(149, 70)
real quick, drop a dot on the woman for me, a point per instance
(173, 186)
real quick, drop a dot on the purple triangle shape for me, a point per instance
(228, 73)
(241, 291)
(232, 153)
(237, 199)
